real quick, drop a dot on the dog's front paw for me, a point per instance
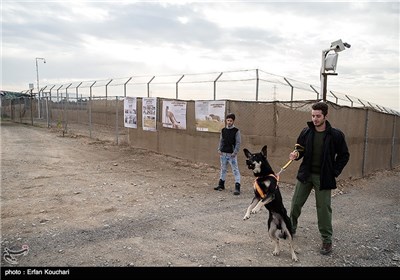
(255, 210)
(247, 216)
(294, 258)
(275, 252)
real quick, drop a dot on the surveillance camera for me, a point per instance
(337, 46)
(347, 45)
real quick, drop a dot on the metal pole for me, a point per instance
(125, 85)
(257, 84)
(47, 111)
(316, 91)
(324, 78)
(31, 106)
(106, 88)
(177, 85)
(337, 99)
(66, 108)
(291, 89)
(77, 104)
(364, 161)
(37, 79)
(58, 97)
(20, 108)
(116, 120)
(351, 101)
(50, 91)
(37, 83)
(77, 91)
(393, 142)
(47, 105)
(90, 111)
(215, 85)
(322, 72)
(148, 86)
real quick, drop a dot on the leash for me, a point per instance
(297, 148)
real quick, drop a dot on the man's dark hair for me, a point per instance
(230, 116)
(321, 106)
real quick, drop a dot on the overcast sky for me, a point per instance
(88, 40)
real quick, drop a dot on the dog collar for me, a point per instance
(259, 190)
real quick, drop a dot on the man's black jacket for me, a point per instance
(335, 155)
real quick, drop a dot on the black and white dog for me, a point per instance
(266, 193)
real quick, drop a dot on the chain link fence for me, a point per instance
(373, 137)
(246, 85)
(96, 109)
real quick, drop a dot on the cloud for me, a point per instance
(87, 40)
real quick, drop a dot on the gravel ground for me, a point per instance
(80, 202)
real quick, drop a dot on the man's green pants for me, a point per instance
(323, 204)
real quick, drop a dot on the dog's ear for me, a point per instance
(264, 151)
(247, 153)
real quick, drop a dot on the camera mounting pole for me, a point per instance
(329, 62)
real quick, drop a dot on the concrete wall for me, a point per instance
(278, 125)
(373, 137)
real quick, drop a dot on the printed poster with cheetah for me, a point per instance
(174, 114)
(210, 115)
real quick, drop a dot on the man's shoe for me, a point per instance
(237, 189)
(221, 185)
(326, 248)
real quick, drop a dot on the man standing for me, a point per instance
(324, 156)
(229, 145)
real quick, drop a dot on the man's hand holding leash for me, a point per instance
(292, 156)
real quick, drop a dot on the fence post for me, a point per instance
(47, 111)
(50, 91)
(215, 85)
(257, 84)
(365, 144)
(351, 101)
(107, 101)
(20, 109)
(58, 98)
(66, 108)
(291, 90)
(177, 86)
(337, 99)
(77, 98)
(125, 85)
(393, 142)
(116, 119)
(90, 110)
(148, 86)
(31, 106)
(315, 91)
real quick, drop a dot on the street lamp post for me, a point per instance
(328, 63)
(37, 79)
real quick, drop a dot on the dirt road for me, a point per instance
(76, 201)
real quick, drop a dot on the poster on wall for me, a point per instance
(130, 116)
(210, 115)
(149, 113)
(174, 114)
